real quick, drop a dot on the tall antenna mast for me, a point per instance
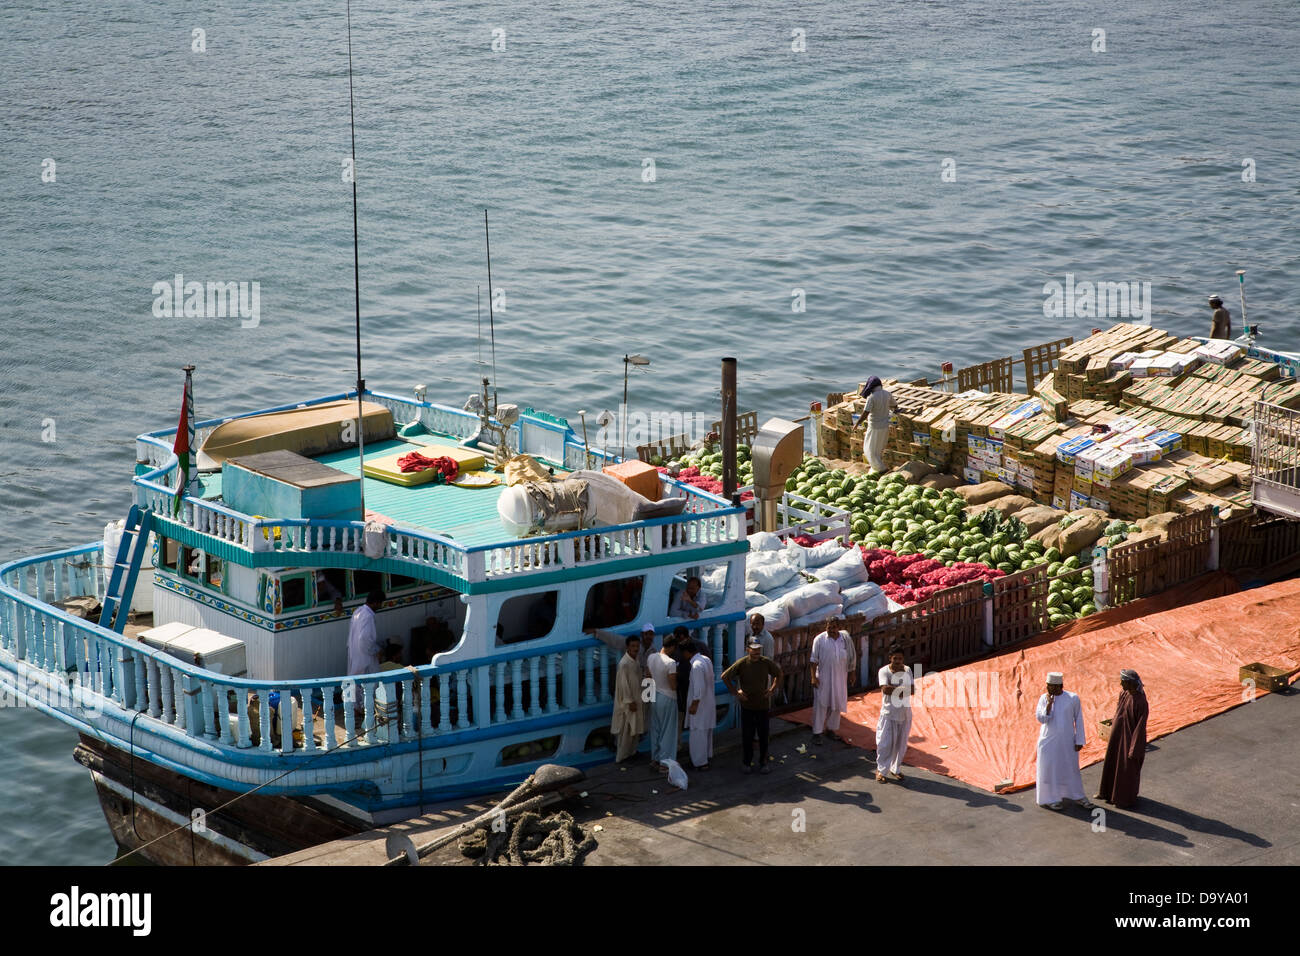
(492, 329)
(356, 280)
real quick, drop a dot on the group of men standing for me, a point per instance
(670, 690)
(662, 693)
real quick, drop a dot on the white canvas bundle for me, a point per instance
(765, 541)
(860, 593)
(846, 570)
(776, 616)
(819, 554)
(871, 608)
(818, 615)
(805, 599)
(767, 570)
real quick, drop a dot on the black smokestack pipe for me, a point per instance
(729, 429)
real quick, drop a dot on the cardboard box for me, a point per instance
(1068, 451)
(1112, 463)
(972, 476)
(1144, 452)
(1082, 486)
(1100, 504)
(1085, 463)
(1220, 352)
(1059, 502)
(1078, 501)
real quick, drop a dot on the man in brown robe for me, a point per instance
(1127, 748)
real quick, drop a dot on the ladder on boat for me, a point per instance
(126, 568)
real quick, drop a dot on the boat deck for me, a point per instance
(466, 515)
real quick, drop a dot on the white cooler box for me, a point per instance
(199, 646)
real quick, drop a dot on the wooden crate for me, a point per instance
(1019, 606)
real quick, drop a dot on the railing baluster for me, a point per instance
(350, 711)
(327, 708)
(141, 685)
(168, 693)
(534, 689)
(499, 674)
(552, 675)
(154, 671)
(516, 689)
(286, 722)
(602, 673)
(589, 690)
(308, 721)
(207, 703)
(406, 730)
(426, 691)
(462, 701)
(444, 702)
(368, 690)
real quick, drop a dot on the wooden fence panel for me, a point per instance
(1279, 540)
(1239, 544)
(1041, 359)
(997, 375)
(956, 625)
(1185, 553)
(1019, 606)
(1134, 571)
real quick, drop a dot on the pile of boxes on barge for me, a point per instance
(1132, 422)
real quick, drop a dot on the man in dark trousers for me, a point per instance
(1220, 321)
(1121, 773)
(751, 680)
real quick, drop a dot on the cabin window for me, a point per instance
(294, 593)
(214, 572)
(168, 553)
(526, 617)
(400, 582)
(192, 563)
(363, 582)
(611, 603)
(331, 584)
(711, 594)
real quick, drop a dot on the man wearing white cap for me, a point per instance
(1059, 741)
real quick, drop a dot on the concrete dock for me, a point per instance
(1222, 792)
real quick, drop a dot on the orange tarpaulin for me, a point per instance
(976, 723)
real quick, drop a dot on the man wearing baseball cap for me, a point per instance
(751, 680)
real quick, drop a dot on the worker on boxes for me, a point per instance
(879, 402)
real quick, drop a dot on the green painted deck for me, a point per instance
(467, 515)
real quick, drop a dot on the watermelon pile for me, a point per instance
(707, 462)
(896, 520)
(1070, 593)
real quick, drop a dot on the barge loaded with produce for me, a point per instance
(1132, 461)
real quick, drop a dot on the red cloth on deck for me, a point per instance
(414, 461)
